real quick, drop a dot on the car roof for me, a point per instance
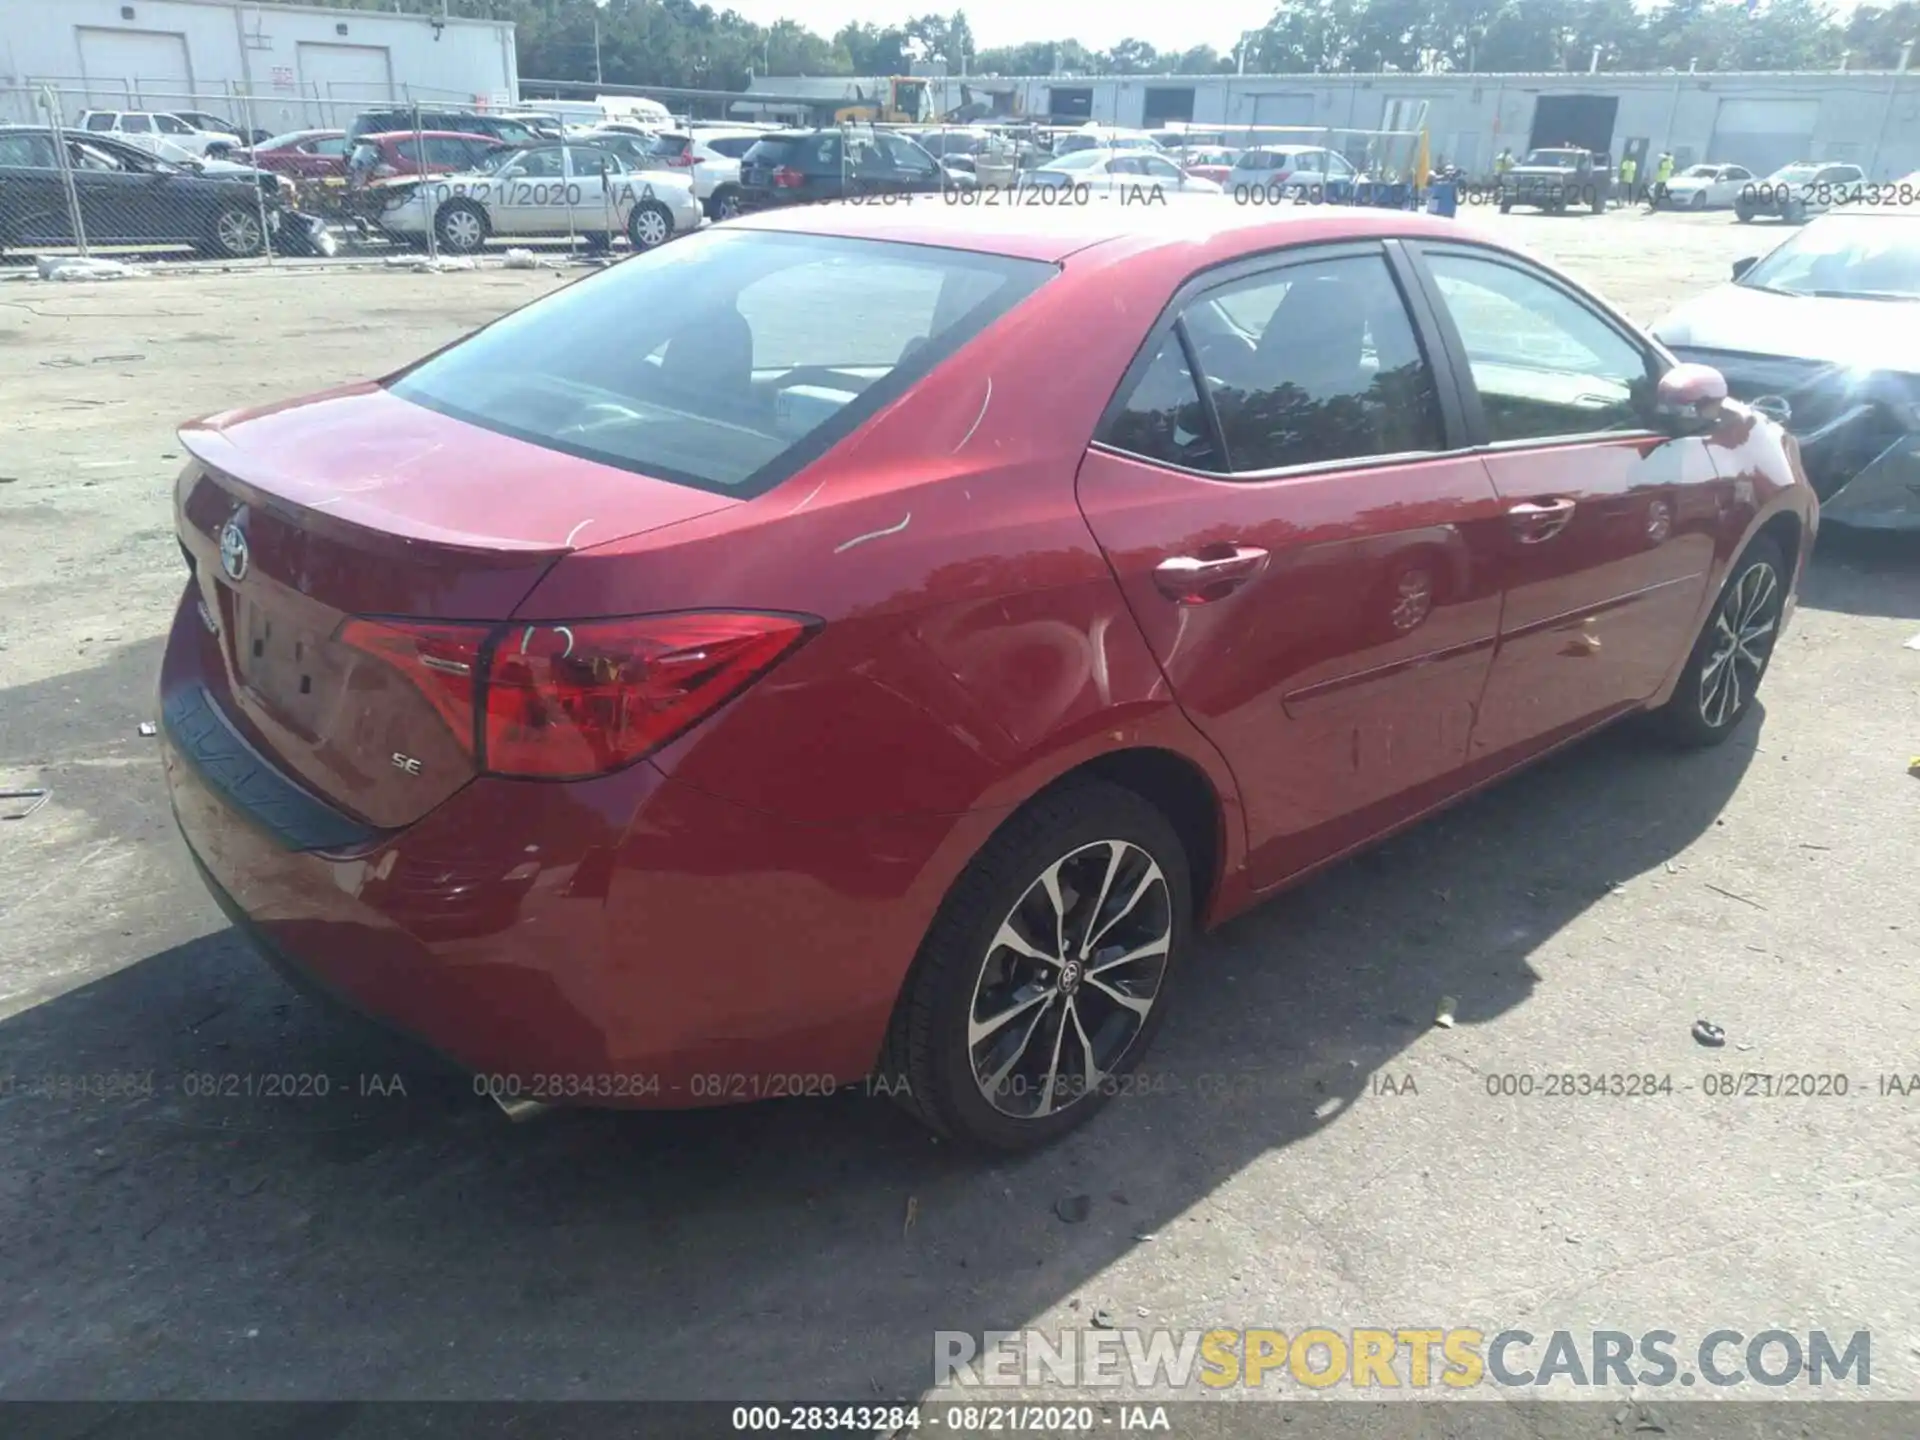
(432, 135)
(1052, 233)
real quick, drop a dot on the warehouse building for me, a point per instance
(1758, 119)
(298, 65)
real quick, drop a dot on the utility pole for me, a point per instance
(598, 77)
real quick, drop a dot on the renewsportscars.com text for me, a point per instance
(1417, 1358)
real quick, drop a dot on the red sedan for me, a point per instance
(303, 154)
(872, 642)
(411, 152)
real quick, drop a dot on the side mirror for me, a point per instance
(1742, 266)
(1689, 398)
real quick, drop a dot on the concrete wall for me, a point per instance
(1872, 118)
(294, 62)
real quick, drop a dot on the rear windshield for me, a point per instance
(667, 146)
(819, 152)
(727, 360)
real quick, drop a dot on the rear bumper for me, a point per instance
(627, 941)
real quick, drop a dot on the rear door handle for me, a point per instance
(1537, 520)
(1198, 579)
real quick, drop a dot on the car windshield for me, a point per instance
(1851, 256)
(1078, 160)
(1700, 172)
(727, 360)
(1559, 159)
(1794, 174)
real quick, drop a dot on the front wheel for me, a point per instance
(237, 233)
(1043, 978)
(650, 226)
(461, 227)
(1699, 200)
(1743, 214)
(1729, 659)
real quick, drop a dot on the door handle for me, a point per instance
(1197, 579)
(1537, 520)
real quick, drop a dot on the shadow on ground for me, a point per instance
(206, 1239)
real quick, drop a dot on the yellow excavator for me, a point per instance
(906, 103)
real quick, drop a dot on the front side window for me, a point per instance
(170, 125)
(726, 360)
(908, 156)
(332, 146)
(1546, 366)
(541, 165)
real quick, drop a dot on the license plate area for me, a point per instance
(285, 666)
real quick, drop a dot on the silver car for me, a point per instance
(543, 190)
(1818, 336)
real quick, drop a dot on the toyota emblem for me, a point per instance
(233, 550)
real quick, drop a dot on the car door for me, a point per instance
(1306, 546)
(523, 201)
(33, 195)
(1610, 521)
(598, 196)
(123, 199)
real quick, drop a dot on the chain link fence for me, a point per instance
(138, 172)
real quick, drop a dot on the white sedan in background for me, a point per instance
(1131, 174)
(542, 190)
(1708, 187)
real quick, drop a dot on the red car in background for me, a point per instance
(864, 641)
(1211, 163)
(412, 152)
(302, 154)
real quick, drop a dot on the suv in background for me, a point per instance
(504, 128)
(801, 167)
(158, 132)
(712, 156)
(385, 157)
(1793, 192)
(1559, 178)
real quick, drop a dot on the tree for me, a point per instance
(1132, 57)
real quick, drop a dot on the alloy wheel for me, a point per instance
(1744, 628)
(238, 232)
(1069, 979)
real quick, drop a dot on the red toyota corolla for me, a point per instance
(871, 642)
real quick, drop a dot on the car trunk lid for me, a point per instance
(296, 519)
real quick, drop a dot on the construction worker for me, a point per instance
(1503, 162)
(1629, 171)
(1662, 173)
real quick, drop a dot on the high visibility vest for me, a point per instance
(1627, 171)
(1665, 172)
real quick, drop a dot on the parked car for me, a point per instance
(1795, 192)
(1126, 172)
(542, 190)
(1213, 163)
(1708, 187)
(709, 155)
(800, 167)
(1558, 179)
(1817, 335)
(127, 197)
(503, 128)
(1284, 173)
(1102, 137)
(158, 132)
(871, 604)
(407, 152)
(302, 154)
(221, 125)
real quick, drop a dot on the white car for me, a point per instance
(158, 132)
(1131, 173)
(1103, 137)
(1708, 187)
(1292, 171)
(543, 190)
(711, 154)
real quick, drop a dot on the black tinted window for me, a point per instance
(725, 360)
(817, 154)
(1315, 363)
(1163, 419)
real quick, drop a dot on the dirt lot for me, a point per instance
(378, 1246)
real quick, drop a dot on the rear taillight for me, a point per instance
(788, 178)
(441, 660)
(569, 700)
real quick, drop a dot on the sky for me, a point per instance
(1097, 24)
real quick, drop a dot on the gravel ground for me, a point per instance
(377, 1245)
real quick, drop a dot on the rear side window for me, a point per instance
(668, 147)
(815, 154)
(1310, 364)
(136, 125)
(171, 125)
(727, 360)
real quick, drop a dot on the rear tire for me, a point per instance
(1730, 657)
(724, 203)
(1069, 1020)
(650, 226)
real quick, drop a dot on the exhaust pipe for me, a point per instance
(519, 1110)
